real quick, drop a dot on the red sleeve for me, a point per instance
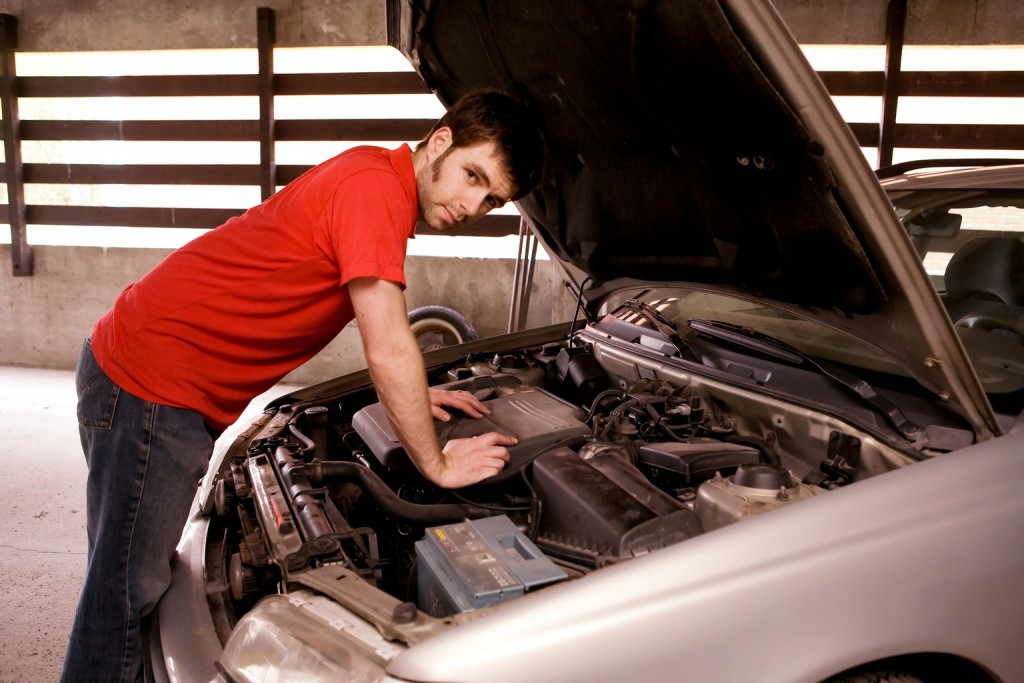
(369, 221)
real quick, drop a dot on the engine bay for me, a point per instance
(618, 456)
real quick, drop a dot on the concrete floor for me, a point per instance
(42, 534)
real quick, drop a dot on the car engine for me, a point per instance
(606, 468)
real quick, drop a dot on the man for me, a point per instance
(184, 349)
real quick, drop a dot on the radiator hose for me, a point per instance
(389, 501)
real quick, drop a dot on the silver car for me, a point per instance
(762, 452)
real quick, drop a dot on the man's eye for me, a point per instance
(492, 202)
(471, 175)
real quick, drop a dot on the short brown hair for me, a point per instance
(492, 116)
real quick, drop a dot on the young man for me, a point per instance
(183, 350)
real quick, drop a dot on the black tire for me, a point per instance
(873, 675)
(436, 327)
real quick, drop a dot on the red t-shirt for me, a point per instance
(223, 318)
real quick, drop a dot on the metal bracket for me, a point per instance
(843, 458)
(522, 281)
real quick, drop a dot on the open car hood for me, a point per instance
(691, 143)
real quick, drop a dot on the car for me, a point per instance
(769, 448)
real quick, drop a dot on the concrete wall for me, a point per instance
(68, 25)
(46, 316)
(84, 25)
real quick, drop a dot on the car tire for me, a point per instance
(873, 675)
(436, 327)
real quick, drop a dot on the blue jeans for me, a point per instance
(144, 461)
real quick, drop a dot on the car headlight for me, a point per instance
(305, 637)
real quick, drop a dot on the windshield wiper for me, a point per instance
(776, 348)
(662, 324)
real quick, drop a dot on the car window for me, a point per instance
(941, 221)
(971, 243)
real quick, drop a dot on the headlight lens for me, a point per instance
(279, 640)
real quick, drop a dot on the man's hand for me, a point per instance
(461, 400)
(467, 461)
(396, 367)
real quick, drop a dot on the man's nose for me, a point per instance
(477, 203)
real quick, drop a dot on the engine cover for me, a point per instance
(538, 419)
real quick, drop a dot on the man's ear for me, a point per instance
(439, 142)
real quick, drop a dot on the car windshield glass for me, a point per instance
(941, 221)
(971, 243)
(810, 338)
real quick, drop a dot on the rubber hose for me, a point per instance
(388, 500)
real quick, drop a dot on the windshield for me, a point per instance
(809, 337)
(940, 222)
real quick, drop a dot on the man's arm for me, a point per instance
(396, 367)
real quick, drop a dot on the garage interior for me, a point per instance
(52, 294)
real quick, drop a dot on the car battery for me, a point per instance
(469, 565)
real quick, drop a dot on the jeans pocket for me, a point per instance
(97, 395)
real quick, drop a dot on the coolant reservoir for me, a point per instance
(753, 490)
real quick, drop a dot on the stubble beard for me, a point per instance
(435, 177)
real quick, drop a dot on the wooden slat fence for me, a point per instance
(267, 174)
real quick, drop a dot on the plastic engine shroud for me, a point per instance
(538, 419)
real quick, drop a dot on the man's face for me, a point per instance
(460, 184)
